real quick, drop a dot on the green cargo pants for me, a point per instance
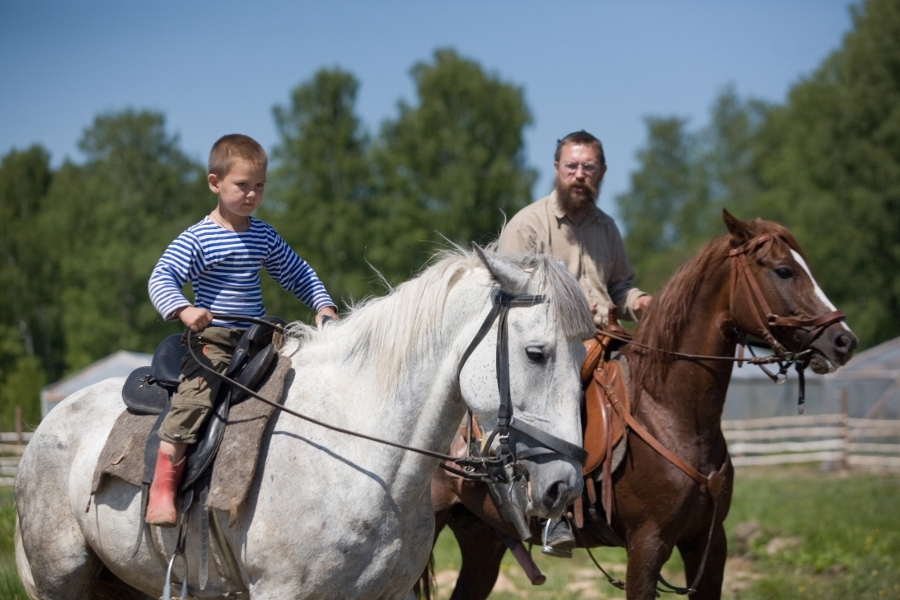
(192, 403)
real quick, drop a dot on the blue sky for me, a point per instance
(220, 67)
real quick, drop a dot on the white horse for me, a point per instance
(330, 515)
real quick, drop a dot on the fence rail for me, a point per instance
(836, 440)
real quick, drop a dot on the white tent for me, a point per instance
(119, 364)
(869, 384)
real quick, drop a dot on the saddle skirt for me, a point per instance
(237, 457)
(604, 379)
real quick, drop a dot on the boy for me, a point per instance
(221, 256)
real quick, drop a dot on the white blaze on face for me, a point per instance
(818, 291)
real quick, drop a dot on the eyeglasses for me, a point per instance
(588, 168)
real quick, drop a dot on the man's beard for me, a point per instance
(575, 201)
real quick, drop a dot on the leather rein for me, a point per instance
(476, 468)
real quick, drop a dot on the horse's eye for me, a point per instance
(784, 272)
(534, 353)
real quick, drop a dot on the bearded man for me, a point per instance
(568, 224)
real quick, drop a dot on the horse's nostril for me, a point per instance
(555, 492)
(845, 342)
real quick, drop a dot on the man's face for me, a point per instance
(578, 177)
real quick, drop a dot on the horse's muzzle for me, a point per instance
(833, 348)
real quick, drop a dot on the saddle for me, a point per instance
(604, 377)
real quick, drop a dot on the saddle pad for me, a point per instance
(235, 464)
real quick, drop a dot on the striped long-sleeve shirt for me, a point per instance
(223, 268)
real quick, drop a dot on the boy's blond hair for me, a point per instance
(233, 147)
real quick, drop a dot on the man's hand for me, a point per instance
(642, 303)
(329, 312)
(194, 318)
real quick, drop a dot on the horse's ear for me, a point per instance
(511, 277)
(741, 231)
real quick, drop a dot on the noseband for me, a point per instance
(506, 421)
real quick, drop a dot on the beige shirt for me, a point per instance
(592, 251)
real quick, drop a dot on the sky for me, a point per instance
(220, 67)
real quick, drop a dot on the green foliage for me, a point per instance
(826, 164)
(113, 218)
(320, 195)
(832, 168)
(78, 244)
(450, 167)
(684, 181)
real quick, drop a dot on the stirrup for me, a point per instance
(167, 587)
(550, 550)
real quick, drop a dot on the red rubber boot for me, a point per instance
(161, 505)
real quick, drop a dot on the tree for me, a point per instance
(320, 193)
(449, 167)
(684, 181)
(111, 220)
(27, 332)
(830, 159)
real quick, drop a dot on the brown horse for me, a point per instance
(737, 284)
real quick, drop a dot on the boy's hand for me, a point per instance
(329, 312)
(196, 319)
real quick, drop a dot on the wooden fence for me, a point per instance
(835, 440)
(11, 447)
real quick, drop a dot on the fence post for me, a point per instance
(845, 430)
(18, 414)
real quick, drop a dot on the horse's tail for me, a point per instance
(22, 564)
(425, 585)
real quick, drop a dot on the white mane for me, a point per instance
(393, 330)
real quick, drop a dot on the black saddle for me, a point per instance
(148, 390)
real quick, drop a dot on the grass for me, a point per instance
(794, 533)
(10, 586)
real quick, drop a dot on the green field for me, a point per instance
(794, 533)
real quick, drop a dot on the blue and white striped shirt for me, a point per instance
(223, 268)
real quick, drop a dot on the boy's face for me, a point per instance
(240, 192)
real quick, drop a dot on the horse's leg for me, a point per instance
(52, 554)
(61, 567)
(710, 585)
(482, 550)
(647, 553)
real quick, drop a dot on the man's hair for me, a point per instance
(580, 138)
(233, 147)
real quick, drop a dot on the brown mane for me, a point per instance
(663, 325)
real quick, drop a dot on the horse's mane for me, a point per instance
(400, 328)
(664, 324)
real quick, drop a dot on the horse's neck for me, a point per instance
(422, 409)
(693, 390)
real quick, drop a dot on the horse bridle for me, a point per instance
(506, 421)
(481, 467)
(765, 319)
(762, 314)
